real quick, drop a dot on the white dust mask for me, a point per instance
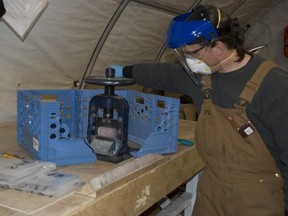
(198, 66)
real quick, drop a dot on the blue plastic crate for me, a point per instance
(52, 124)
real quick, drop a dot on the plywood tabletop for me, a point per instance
(131, 194)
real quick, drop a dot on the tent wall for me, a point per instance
(269, 31)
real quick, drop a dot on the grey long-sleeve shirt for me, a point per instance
(268, 110)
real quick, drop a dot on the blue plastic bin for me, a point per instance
(52, 124)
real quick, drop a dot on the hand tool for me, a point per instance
(186, 142)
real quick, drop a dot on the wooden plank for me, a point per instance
(11, 212)
(155, 161)
(65, 206)
(141, 192)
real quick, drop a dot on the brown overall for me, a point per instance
(241, 177)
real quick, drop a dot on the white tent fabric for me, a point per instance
(69, 40)
(269, 31)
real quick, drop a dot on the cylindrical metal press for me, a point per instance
(107, 131)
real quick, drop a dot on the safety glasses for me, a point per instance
(189, 54)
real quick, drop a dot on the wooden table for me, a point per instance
(132, 194)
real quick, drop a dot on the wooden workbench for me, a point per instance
(129, 195)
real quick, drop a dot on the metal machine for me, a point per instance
(107, 131)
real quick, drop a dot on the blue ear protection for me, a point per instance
(182, 32)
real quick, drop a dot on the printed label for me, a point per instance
(248, 130)
(35, 144)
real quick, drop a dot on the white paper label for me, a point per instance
(248, 130)
(35, 144)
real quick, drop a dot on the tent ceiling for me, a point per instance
(246, 10)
